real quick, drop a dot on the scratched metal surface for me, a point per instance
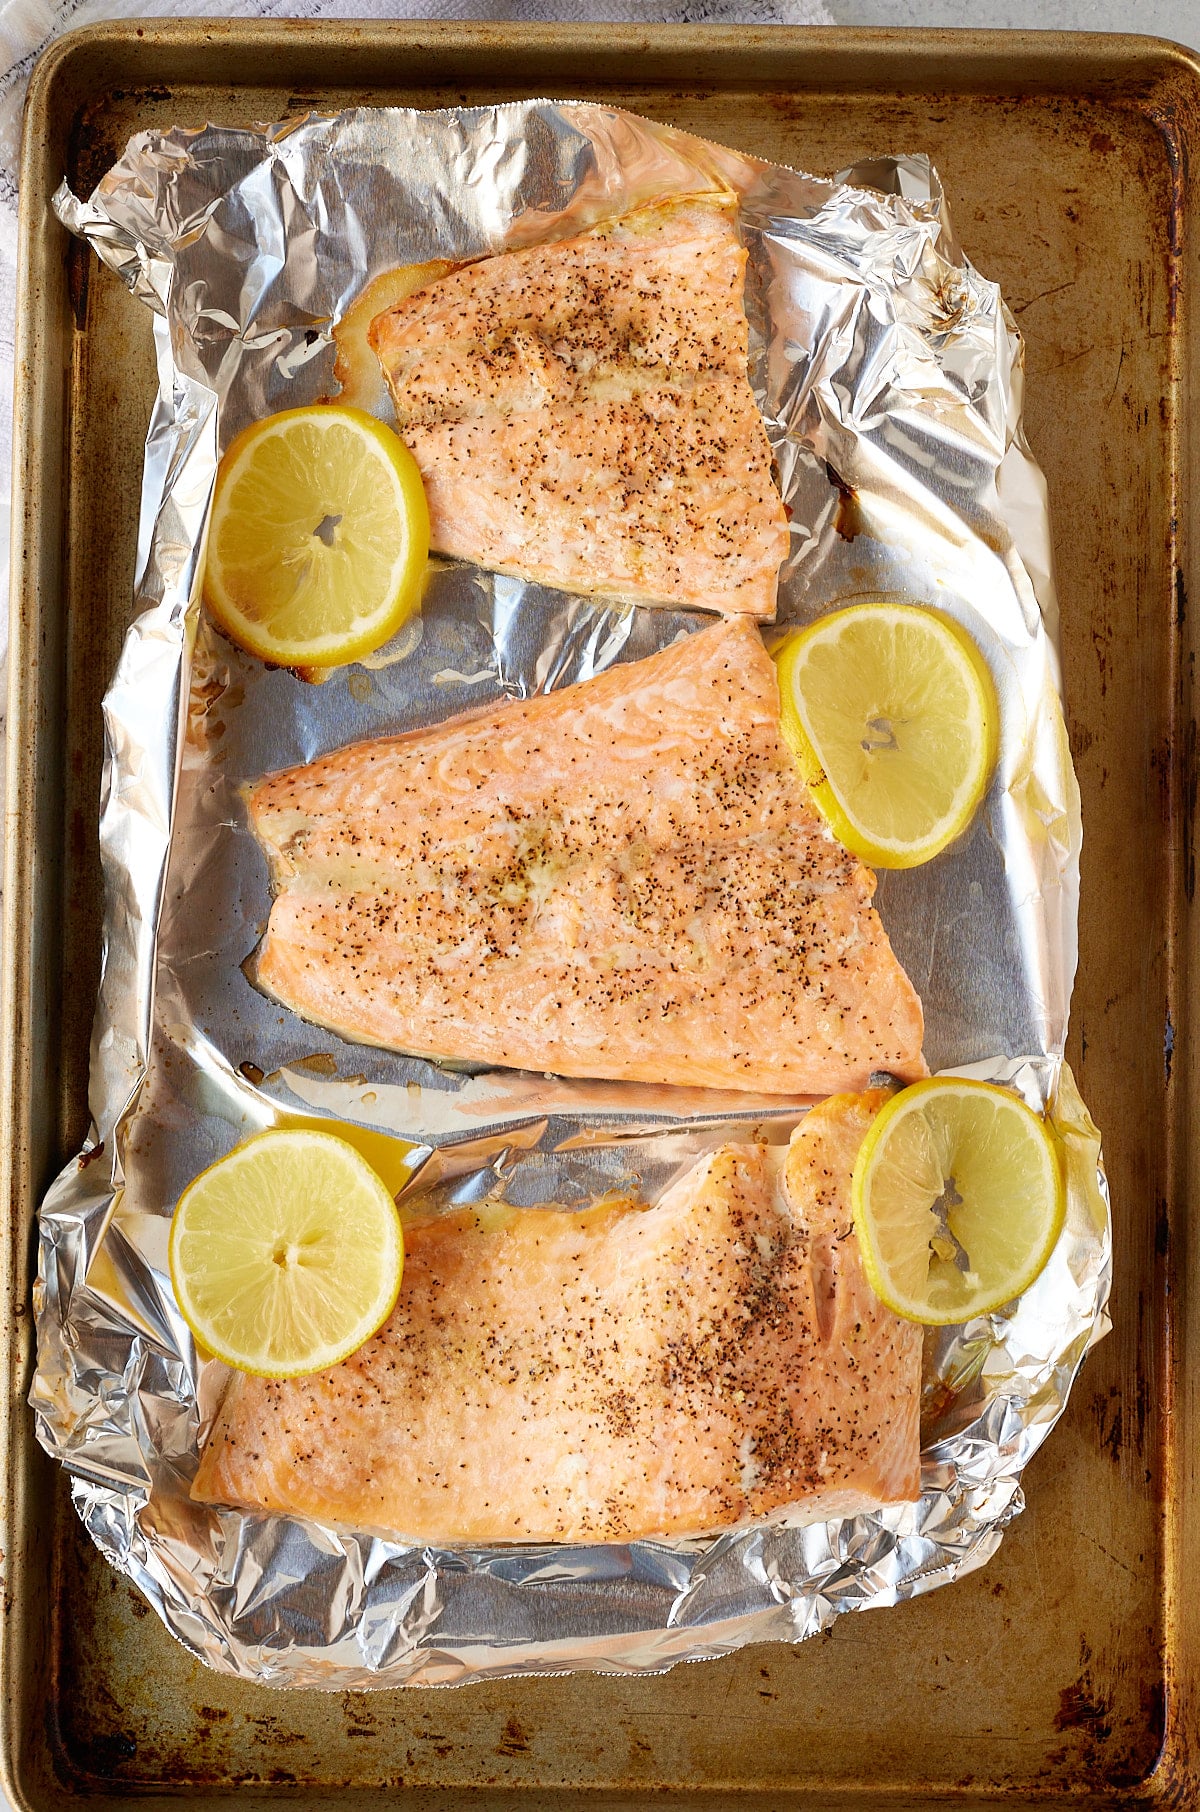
(1064, 1669)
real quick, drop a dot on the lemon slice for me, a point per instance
(318, 539)
(958, 1200)
(891, 714)
(286, 1255)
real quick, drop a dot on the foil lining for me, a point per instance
(890, 375)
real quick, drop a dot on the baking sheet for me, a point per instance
(1069, 1710)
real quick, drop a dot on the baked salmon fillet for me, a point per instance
(582, 416)
(623, 879)
(610, 1374)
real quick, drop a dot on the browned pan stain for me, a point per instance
(515, 1741)
(1106, 1408)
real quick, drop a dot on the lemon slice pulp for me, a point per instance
(958, 1200)
(287, 1254)
(891, 714)
(319, 537)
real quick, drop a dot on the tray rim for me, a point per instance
(983, 60)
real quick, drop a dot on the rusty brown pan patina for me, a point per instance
(1067, 1670)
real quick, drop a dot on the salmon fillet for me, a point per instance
(607, 1375)
(622, 879)
(582, 416)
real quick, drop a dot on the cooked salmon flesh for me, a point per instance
(581, 414)
(609, 1374)
(622, 879)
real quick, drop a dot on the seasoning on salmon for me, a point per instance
(610, 1374)
(581, 414)
(622, 879)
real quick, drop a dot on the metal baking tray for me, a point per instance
(1067, 1670)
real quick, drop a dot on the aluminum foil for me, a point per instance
(889, 374)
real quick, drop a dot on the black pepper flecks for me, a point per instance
(581, 413)
(611, 1373)
(623, 878)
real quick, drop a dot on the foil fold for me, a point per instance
(889, 374)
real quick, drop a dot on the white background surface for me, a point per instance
(1178, 19)
(26, 22)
